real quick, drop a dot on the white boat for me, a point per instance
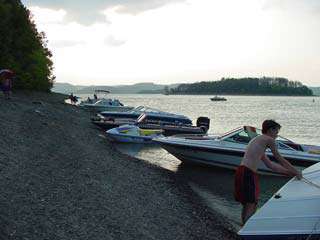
(133, 134)
(227, 150)
(107, 105)
(292, 213)
(99, 104)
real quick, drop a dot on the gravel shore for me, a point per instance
(61, 179)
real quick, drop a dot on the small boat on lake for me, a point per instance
(228, 149)
(292, 213)
(112, 105)
(217, 99)
(99, 104)
(133, 134)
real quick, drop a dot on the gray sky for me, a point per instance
(169, 41)
(88, 12)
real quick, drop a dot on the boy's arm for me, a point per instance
(283, 162)
(275, 166)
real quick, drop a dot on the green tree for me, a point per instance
(248, 86)
(23, 48)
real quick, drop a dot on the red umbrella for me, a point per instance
(6, 73)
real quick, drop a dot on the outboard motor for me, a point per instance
(203, 123)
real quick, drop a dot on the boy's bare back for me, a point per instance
(255, 151)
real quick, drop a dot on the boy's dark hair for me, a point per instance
(269, 124)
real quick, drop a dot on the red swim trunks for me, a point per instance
(246, 185)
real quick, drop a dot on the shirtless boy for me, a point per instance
(246, 179)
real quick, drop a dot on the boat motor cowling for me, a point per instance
(203, 123)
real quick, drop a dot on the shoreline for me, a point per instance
(60, 180)
(207, 94)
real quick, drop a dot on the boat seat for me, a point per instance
(147, 132)
(251, 131)
(124, 131)
(314, 151)
(199, 138)
(294, 146)
(242, 139)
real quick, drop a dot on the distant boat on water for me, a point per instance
(216, 99)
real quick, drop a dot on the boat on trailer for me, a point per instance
(292, 213)
(228, 149)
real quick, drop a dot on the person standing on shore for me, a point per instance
(73, 99)
(6, 77)
(246, 179)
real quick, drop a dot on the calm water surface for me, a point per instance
(299, 117)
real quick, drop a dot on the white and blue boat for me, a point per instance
(228, 149)
(99, 104)
(292, 213)
(133, 134)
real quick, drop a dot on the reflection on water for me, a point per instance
(150, 153)
(214, 185)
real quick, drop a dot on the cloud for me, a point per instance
(89, 12)
(312, 6)
(66, 43)
(187, 41)
(112, 41)
(48, 16)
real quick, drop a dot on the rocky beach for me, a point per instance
(61, 179)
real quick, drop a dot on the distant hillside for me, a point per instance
(65, 88)
(121, 89)
(315, 90)
(246, 86)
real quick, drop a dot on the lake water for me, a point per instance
(299, 117)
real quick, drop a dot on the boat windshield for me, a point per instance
(243, 135)
(108, 102)
(103, 101)
(237, 136)
(146, 109)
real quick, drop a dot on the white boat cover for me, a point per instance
(293, 211)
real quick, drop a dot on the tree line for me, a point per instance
(244, 86)
(23, 49)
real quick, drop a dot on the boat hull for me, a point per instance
(282, 237)
(168, 130)
(221, 157)
(129, 139)
(291, 213)
(97, 109)
(218, 159)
